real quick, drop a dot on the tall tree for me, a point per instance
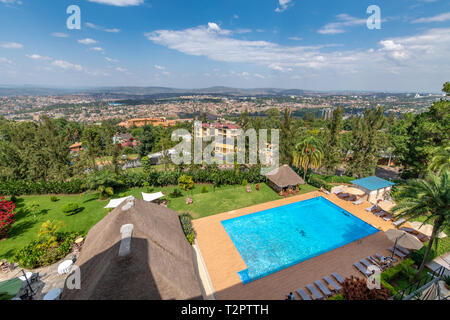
(367, 142)
(147, 141)
(430, 198)
(332, 141)
(428, 131)
(440, 161)
(308, 154)
(446, 88)
(287, 138)
(92, 141)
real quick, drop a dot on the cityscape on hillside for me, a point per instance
(226, 157)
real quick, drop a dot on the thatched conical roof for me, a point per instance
(284, 176)
(160, 264)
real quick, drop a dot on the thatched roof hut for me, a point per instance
(159, 264)
(283, 178)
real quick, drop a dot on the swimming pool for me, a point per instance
(277, 238)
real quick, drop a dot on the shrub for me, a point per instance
(7, 214)
(186, 223)
(70, 208)
(418, 255)
(244, 182)
(447, 280)
(319, 183)
(356, 289)
(53, 198)
(39, 254)
(204, 189)
(176, 193)
(337, 297)
(185, 182)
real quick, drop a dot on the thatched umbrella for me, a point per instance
(354, 191)
(426, 229)
(386, 206)
(404, 239)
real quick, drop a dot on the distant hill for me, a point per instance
(157, 92)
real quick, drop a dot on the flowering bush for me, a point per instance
(7, 214)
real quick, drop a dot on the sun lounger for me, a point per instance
(361, 269)
(314, 292)
(397, 252)
(343, 196)
(399, 222)
(370, 208)
(404, 250)
(378, 214)
(338, 277)
(374, 260)
(358, 201)
(387, 218)
(366, 262)
(380, 257)
(351, 198)
(303, 294)
(323, 288)
(335, 285)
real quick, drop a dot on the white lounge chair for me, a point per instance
(370, 208)
(149, 197)
(114, 203)
(358, 201)
(399, 222)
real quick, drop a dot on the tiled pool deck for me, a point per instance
(223, 260)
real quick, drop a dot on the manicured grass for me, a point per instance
(26, 227)
(222, 200)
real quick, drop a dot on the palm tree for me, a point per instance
(441, 159)
(429, 197)
(308, 154)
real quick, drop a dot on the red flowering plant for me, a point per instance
(7, 214)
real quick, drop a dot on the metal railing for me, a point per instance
(420, 285)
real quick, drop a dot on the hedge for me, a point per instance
(10, 188)
(209, 174)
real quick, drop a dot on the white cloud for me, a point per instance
(413, 57)
(159, 67)
(339, 27)
(67, 65)
(11, 45)
(439, 18)
(7, 2)
(97, 27)
(98, 49)
(4, 60)
(59, 35)
(119, 3)
(111, 60)
(35, 56)
(87, 41)
(284, 4)
(295, 38)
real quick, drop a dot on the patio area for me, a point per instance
(223, 261)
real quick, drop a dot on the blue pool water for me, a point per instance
(274, 239)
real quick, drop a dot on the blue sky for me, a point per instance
(318, 45)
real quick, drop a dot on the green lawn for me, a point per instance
(223, 199)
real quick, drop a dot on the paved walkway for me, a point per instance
(49, 278)
(223, 260)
